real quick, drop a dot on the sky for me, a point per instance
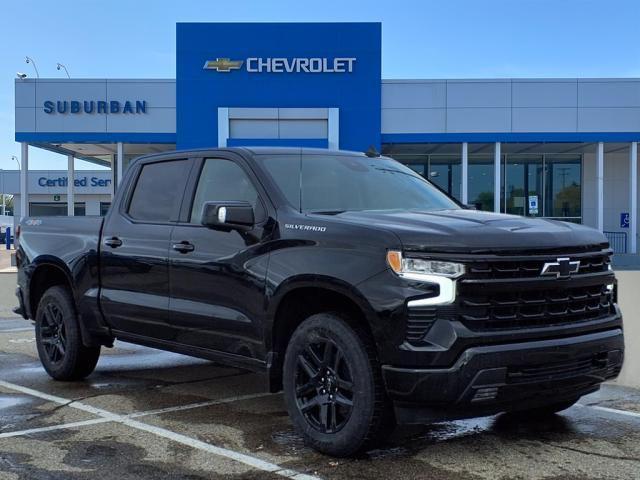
(420, 39)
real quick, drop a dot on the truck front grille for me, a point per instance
(508, 293)
(494, 310)
(531, 268)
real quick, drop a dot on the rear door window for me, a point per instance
(158, 191)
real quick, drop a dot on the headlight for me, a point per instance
(418, 266)
(438, 272)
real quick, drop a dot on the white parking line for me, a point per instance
(610, 410)
(52, 428)
(223, 452)
(146, 413)
(191, 406)
(248, 460)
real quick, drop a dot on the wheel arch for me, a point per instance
(47, 272)
(301, 297)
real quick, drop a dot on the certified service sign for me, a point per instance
(284, 65)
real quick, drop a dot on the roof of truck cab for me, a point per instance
(254, 151)
(295, 151)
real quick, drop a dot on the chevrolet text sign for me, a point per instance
(284, 65)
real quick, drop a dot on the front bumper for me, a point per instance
(490, 379)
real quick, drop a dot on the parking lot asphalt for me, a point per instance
(147, 414)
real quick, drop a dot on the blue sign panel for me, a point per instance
(624, 220)
(279, 65)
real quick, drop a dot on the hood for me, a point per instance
(471, 230)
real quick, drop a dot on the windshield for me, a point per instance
(337, 183)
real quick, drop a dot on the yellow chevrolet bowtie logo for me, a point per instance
(223, 64)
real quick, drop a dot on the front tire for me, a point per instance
(58, 338)
(333, 386)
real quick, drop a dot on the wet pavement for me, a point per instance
(147, 414)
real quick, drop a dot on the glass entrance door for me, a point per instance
(547, 186)
(523, 180)
(563, 181)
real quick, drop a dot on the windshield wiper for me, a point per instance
(327, 212)
(393, 170)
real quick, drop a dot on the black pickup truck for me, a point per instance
(362, 291)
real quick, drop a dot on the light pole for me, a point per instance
(19, 169)
(30, 60)
(3, 199)
(62, 66)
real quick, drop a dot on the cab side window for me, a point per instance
(158, 190)
(224, 180)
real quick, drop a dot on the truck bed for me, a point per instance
(67, 238)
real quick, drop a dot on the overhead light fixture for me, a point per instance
(60, 66)
(30, 60)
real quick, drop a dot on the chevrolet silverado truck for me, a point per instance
(362, 291)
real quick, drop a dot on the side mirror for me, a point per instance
(228, 215)
(470, 206)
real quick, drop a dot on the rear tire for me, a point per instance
(58, 338)
(333, 386)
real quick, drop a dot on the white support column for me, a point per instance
(223, 126)
(464, 180)
(119, 162)
(496, 179)
(600, 186)
(70, 186)
(333, 127)
(113, 176)
(24, 171)
(633, 198)
(4, 203)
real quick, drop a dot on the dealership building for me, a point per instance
(561, 148)
(47, 189)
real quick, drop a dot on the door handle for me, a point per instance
(113, 242)
(183, 247)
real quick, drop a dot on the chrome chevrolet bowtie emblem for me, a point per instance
(563, 268)
(223, 64)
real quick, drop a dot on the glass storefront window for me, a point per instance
(522, 184)
(538, 183)
(37, 209)
(481, 180)
(104, 208)
(445, 171)
(563, 187)
(442, 169)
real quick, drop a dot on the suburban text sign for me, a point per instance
(95, 107)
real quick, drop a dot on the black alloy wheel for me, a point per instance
(53, 333)
(324, 386)
(333, 386)
(58, 337)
